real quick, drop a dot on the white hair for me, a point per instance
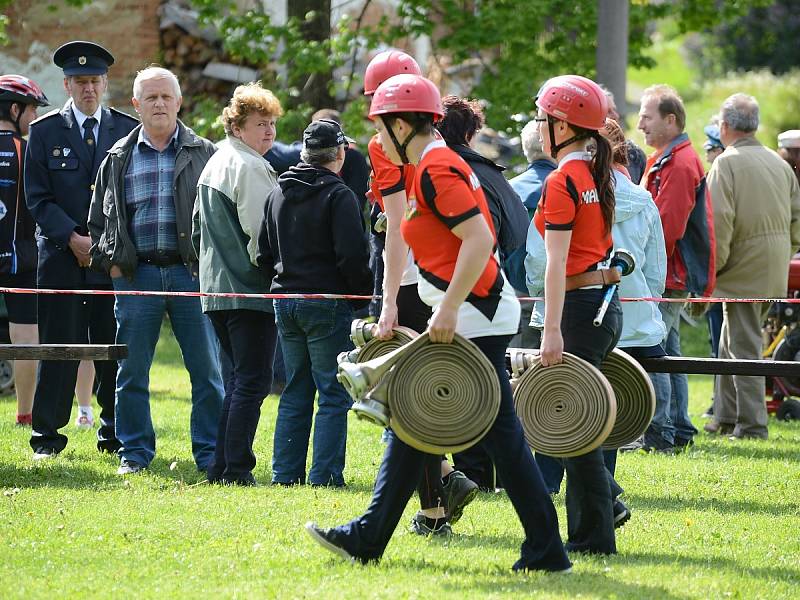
(531, 144)
(155, 73)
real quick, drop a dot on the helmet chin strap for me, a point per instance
(401, 148)
(556, 148)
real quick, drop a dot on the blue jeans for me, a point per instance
(313, 333)
(679, 382)
(138, 325)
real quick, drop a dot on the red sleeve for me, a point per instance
(449, 191)
(559, 205)
(675, 201)
(387, 177)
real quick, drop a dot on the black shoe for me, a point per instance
(650, 442)
(244, 481)
(111, 446)
(458, 492)
(683, 444)
(710, 412)
(622, 514)
(44, 453)
(325, 538)
(424, 526)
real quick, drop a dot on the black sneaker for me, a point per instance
(683, 444)
(458, 492)
(649, 442)
(325, 539)
(421, 525)
(44, 453)
(622, 514)
(709, 414)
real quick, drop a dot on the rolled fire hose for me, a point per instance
(566, 409)
(369, 347)
(438, 398)
(636, 398)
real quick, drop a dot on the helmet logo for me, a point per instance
(574, 88)
(81, 60)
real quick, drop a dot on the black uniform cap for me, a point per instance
(83, 58)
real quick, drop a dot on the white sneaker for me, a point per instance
(84, 422)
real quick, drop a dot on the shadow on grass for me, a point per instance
(70, 471)
(705, 562)
(529, 584)
(755, 450)
(642, 502)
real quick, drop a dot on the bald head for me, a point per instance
(740, 113)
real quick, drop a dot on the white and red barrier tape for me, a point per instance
(298, 296)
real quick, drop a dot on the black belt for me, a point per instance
(161, 260)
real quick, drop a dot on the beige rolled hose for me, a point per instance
(636, 398)
(567, 409)
(375, 347)
(443, 398)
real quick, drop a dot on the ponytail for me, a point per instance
(601, 173)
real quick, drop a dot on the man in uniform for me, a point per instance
(64, 152)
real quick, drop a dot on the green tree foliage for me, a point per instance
(765, 36)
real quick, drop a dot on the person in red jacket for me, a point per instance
(675, 177)
(448, 227)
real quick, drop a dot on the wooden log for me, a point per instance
(721, 366)
(63, 351)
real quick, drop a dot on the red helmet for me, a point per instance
(577, 100)
(407, 93)
(16, 88)
(388, 64)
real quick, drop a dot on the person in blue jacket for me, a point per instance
(528, 185)
(637, 229)
(64, 152)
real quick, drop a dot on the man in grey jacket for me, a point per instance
(140, 222)
(757, 222)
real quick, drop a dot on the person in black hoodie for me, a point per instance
(462, 120)
(312, 241)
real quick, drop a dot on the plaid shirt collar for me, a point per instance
(143, 139)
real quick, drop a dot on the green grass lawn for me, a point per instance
(721, 521)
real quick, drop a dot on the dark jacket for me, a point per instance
(312, 238)
(509, 216)
(59, 178)
(17, 227)
(108, 215)
(355, 171)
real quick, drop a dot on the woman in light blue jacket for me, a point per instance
(637, 229)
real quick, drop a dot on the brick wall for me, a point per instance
(129, 29)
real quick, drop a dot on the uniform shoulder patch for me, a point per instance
(118, 113)
(48, 115)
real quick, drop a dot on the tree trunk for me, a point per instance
(314, 87)
(612, 48)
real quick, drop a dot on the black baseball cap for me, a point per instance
(324, 133)
(83, 58)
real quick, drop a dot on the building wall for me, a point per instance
(129, 29)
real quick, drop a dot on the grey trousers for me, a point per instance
(740, 400)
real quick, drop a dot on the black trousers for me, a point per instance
(590, 487)
(247, 340)
(412, 312)
(74, 319)
(367, 536)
